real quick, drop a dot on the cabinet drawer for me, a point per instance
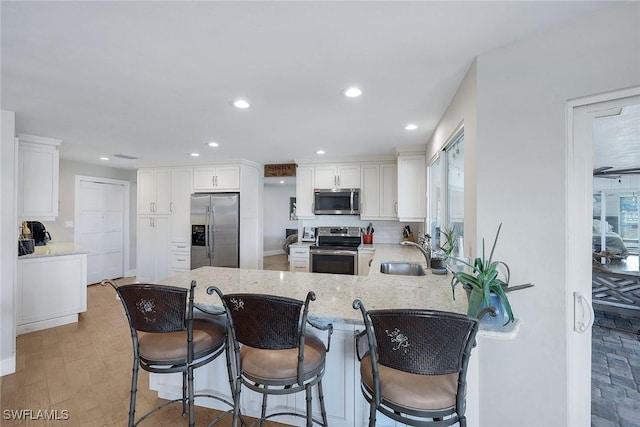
(186, 247)
(299, 265)
(180, 260)
(299, 252)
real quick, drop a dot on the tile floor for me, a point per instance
(615, 371)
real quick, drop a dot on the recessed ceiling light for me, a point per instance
(411, 126)
(104, 158)
(320, 152)
(212, 144)
(194, 154)
(241, 103)
(352, 92)
(281, 182)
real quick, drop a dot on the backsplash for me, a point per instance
(385, 231)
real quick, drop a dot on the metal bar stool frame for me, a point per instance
(179, 318)
(401, 349)
(270, 330)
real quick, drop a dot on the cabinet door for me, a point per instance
(154, 191)
(370, 192)
(153, 248)
(388, 191)
(162, 192)
(181, 205)
(38, 181)
(204, 179)
(304, 192)
(325, 176)
(348, 176)
(411, 188)
(227, 178)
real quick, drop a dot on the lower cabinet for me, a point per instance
(51, 291)
(180, 257)
(153, 248)
(299, 258)
(340, 386)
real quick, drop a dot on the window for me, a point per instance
(446, 189)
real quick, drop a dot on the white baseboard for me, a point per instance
(45, 324)
(8, 365)
(273, 252)
(131, 273)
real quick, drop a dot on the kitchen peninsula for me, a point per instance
(335, 295)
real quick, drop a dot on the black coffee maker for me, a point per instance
(39, 233)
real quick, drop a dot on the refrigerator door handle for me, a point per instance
(206, 232)
(212, 229)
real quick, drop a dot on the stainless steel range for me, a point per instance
(336, 250)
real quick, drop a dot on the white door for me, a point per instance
(100, 228)
(581, 114)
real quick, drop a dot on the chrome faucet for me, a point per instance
(425, 251)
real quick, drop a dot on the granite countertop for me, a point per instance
(55, 249)
(335, 293)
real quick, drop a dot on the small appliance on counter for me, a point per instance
(39, 233)
(309, 234)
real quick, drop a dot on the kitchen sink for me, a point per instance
(402, 268)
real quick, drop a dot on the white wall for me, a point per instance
(68, 171)
(8, 244)
(462, 110)
(276, 215)
(523, 90)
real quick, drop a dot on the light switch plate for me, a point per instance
(68, 224)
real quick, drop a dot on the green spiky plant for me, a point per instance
(448, 243)
(484, 279)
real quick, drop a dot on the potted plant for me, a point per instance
(485, 287)
(448, 243)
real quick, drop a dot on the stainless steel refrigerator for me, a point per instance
(215, 230)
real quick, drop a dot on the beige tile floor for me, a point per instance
(85, 368)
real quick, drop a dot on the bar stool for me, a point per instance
(413, 364)
(167, 339)
(274, 353)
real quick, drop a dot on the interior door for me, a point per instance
(579, 315)
(100, 228)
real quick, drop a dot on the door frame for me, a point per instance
(579, 190)
(126, 243)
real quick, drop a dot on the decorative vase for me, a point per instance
(476, 304)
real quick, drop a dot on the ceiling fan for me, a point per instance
(611, 173)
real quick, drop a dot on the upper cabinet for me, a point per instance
(411, 186)
(38, 177)
(218, 178)
(304, 192)
(337, 176)
(378, 191)
(154, 191)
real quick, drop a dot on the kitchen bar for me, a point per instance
(335, 294)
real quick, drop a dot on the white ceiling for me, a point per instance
(155, 79)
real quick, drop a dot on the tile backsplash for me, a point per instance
(385, 231)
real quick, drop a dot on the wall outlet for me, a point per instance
(68, 224)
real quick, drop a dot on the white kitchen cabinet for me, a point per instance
(38, 177)
(51, 291)
(218, 178)
(299, 258)
(304, 192)
(411, 187)
(154, 191)
(153, 247)
(180, 207)
(378, 191)
(337, 176)
(365, 257)
(180, 257)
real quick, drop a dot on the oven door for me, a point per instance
(335, 262)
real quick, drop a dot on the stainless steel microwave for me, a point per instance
(337, 201)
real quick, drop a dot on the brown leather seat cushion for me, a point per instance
(429, 392)
(171, 347)
(282, 364)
